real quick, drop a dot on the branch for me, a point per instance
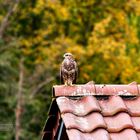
(4, 48)
(39, 86)
(5, 21)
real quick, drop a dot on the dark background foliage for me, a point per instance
(103, 35)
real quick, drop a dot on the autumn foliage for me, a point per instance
(103, 35)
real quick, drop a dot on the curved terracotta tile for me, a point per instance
(112, 106)
(133, 106)
(136, 122)
(118, 122)
(99, 134)
(85, 124)
(138, 134)
(80, 107)
(127, 134)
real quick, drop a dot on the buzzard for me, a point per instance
(68, 70)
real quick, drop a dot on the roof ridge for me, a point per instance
(131, 89)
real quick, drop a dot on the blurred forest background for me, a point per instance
(103, 35)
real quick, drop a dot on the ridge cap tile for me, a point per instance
(96, 89)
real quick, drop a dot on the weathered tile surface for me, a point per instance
(94, 112)
(109, 118)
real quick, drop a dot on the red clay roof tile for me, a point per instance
(138, 134)
(136, 122)
(112, 114)
(86, 123)
(98, 112)
(78, 107)
(112, 106)
(118, 122)
(98, 134)
(127, 134)
(133, 106)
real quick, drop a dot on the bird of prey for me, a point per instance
(68, 70)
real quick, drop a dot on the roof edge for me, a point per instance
(90, 88)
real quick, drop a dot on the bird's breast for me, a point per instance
(68, 65)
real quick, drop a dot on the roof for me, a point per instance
(94, 112)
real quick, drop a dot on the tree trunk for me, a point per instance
(19, 100)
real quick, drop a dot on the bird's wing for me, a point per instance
(61, 78)
(76, 73)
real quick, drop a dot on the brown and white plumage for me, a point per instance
(68, 70)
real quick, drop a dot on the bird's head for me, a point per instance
(68, 55)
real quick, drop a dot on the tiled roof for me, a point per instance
(97, 112)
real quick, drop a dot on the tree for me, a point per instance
(103, 35)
